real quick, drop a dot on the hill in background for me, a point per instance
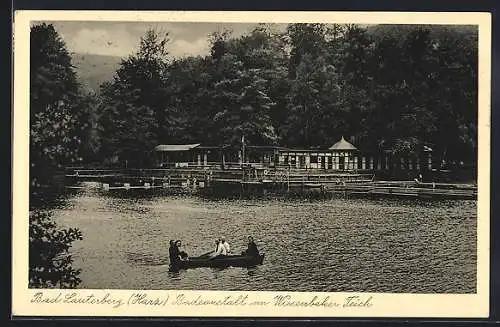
(93, 70)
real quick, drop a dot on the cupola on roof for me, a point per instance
(342, 145)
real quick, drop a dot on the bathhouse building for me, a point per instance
(340, 156)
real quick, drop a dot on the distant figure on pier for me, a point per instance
(418, 180)
(252, 249)
(220, 250)
(225, 244)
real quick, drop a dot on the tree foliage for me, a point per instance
(244, 110)
(49, 257)
(54, 102)
(59, 121)
(386, 87)
(135, 112)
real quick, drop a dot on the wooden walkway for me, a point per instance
(262, 181)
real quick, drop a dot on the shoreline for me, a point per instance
(216, 183)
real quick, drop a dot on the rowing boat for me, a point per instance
(221, 261)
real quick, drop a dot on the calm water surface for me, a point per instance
(326, 245)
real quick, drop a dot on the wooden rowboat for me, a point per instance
(220, 262)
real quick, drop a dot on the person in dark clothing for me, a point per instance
(170, 250)
(252, 248)
(173, 253)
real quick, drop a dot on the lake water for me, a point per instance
(383, 245)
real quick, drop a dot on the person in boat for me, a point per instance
(252, 249)
(220, 250)
(173, 253)
(170, 250)
(181, 254)
(217, 243)
(225, 244)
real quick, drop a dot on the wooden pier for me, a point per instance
(261, 181)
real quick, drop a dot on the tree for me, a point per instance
(305, 39)
(189, 90)
(204, 88)
(49, 257)
(219, 42)
(135, 111)
(426, 89)
(393, 88)
(90, 130)
(351, 52)
(244, 106)
(52, 77)
(455, 94)
(314, 104)
(263, 49)
(403, 116)
(55, 100)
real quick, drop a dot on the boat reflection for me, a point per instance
(176, 273)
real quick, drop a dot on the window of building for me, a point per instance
(302, 161)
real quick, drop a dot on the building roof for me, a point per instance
(342, 145)
(266, 147)
(175, 147)
(211, 147)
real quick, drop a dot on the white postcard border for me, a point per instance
(26, 302)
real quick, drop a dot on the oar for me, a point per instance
(206, 254)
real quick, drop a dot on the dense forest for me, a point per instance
(385, 87)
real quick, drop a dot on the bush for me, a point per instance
(49, 257)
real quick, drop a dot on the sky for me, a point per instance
(122, 38)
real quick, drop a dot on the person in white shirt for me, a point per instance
(219, 249)
(225, 244)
